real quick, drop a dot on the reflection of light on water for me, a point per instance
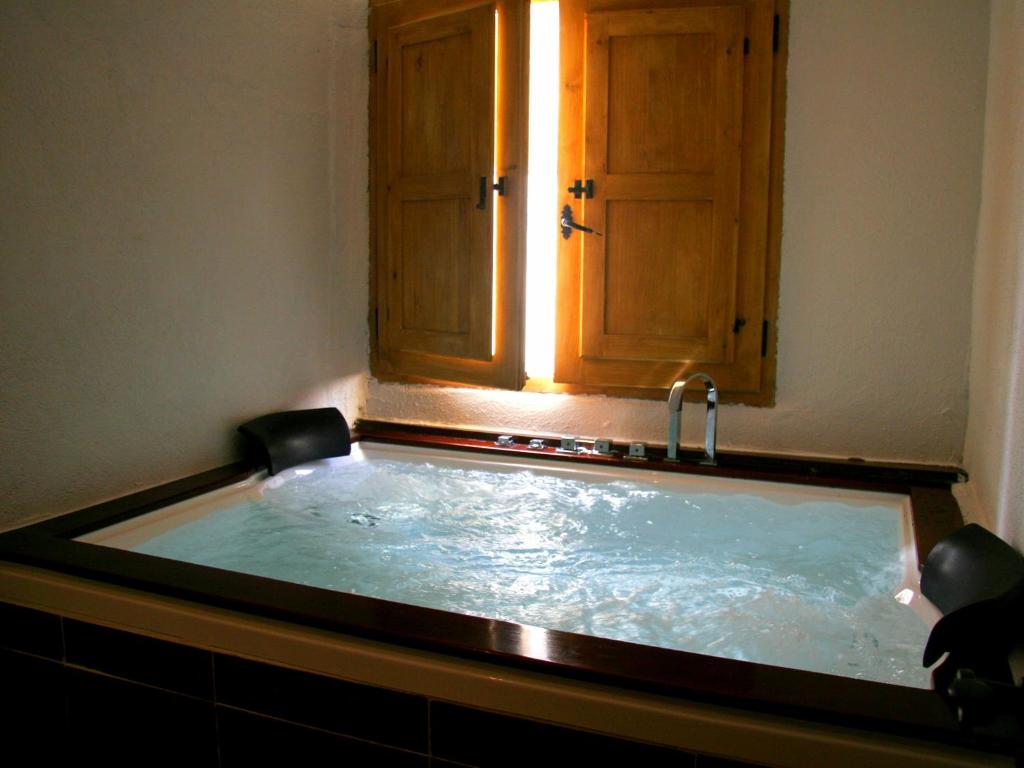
(904, 596)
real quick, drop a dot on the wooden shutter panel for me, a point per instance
(671, 120)
(437, 279)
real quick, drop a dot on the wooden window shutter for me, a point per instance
(669, 116)
(447, 276)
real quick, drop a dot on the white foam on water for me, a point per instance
(807, 585)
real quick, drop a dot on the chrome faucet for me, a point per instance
(675, 412)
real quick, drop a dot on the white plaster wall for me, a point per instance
(882, 177)
(994, 447)
(183, 229)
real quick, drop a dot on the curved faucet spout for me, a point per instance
(675, 408)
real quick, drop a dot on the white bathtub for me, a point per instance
(723, 613)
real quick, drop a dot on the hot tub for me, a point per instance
(806, 578)
(677, 683)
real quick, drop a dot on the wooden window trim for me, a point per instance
(512, 161)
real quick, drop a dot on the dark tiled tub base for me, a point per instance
(79, 691)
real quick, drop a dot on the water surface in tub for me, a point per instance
(778, 577)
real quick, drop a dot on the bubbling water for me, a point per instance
(808, 585)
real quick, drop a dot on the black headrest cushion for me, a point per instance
(282, 440)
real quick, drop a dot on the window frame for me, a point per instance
(513, 76)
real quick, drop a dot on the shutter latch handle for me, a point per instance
(568, 225)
